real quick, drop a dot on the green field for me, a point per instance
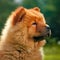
(52, 53)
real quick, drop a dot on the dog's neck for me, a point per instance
(13, 42)
(12, 36)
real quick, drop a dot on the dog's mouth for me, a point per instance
(38, 38)
(42, 36)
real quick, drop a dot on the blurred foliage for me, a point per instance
(52, 14)
(5, 8)
(50, 9)
(52, 52)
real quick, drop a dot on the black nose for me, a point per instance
(48, 28)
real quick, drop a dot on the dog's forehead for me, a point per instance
(35, 15)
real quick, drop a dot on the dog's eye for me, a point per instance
(34, 23)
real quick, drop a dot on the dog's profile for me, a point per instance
(23, 35)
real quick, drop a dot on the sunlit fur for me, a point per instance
(18, 35)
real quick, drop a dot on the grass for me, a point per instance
(52, 57)
(52, 52)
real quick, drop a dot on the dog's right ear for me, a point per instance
(18, 15)
(36, 9)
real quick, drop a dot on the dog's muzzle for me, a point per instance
(46, 32)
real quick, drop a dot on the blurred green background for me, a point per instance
(51, 11)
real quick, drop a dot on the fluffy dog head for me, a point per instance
(28, 27)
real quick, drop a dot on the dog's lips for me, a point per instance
(38, 38)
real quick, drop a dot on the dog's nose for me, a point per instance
(48, 30)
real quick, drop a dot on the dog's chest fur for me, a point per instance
(21, 54)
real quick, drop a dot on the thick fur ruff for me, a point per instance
(17, 41)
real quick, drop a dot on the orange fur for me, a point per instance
(17, 37)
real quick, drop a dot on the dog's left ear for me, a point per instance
(18, 15)
(36, 9)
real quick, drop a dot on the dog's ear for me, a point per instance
(18, 15)
(37, 9)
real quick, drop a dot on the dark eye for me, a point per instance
(34, 23)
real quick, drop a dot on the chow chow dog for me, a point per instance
(24, 35)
